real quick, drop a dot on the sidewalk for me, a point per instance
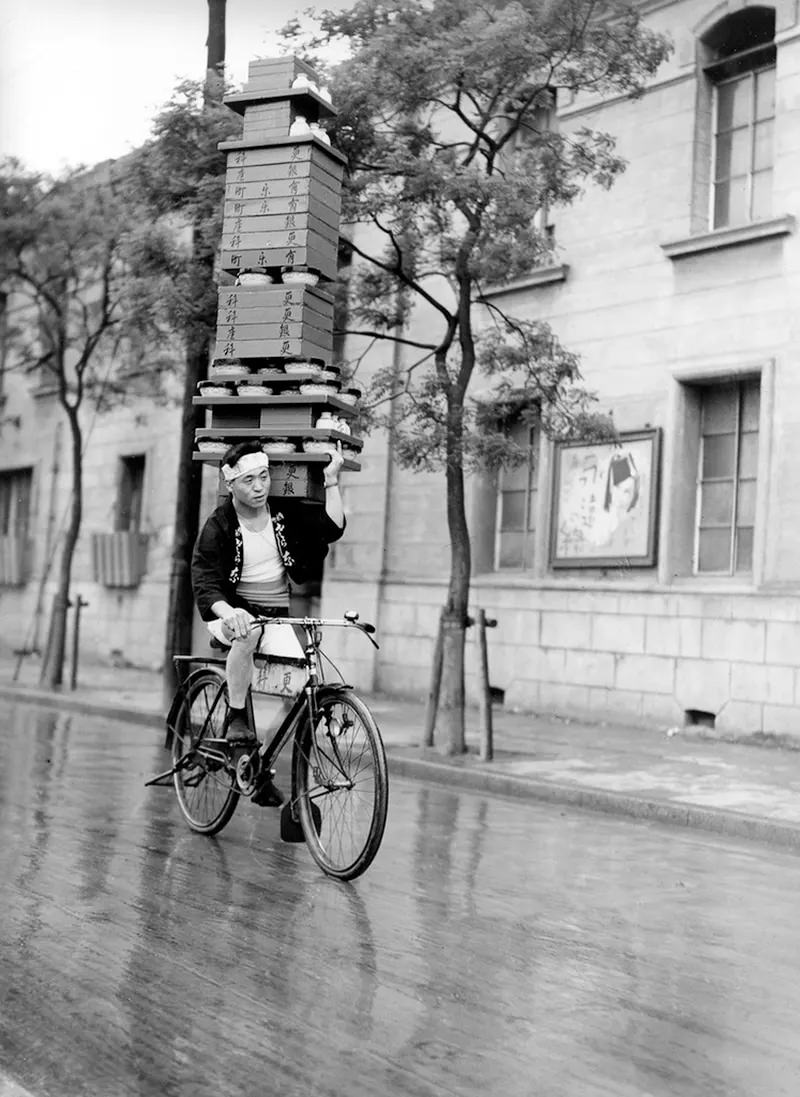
(736, 789)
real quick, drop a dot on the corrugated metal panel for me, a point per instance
(119, 559)
(15, 555)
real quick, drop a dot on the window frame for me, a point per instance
(532, 509)
(9, 516)
(130, 493)
(682, 435)
(735, 479)
(724, 54)
(750, 75)
(542, 217)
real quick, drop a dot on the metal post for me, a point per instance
(436, 683)
(76, 625)
(485, 690)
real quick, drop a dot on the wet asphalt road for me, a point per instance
(494, 947)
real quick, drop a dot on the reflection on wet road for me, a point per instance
(494, 947)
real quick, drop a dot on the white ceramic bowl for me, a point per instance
(229, 373)
(314, 446)
(210, 389)
(278, 449)
(250, 388)
(313, 388)
(212, 447)
(252, 278)
(320, 133)
(300, 277)
(300, 367)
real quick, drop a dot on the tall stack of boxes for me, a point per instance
(273, 377)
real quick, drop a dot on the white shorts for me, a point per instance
(279, 640)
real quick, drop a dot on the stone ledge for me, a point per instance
(541, 276)
(729, 237)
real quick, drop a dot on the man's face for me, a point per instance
(251, 489)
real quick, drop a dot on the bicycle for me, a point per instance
(339, 778)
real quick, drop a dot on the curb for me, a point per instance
(730, 824)
(476, 778)
(68, 703)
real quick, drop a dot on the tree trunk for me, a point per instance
(454, 618)
(52, 672)
(180, 600)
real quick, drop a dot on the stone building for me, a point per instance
(660, 587)
(656, 582)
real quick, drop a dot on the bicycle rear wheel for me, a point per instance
(204, 781)
(341, 785)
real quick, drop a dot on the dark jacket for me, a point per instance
(303, 532)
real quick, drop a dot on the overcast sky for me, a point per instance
(80, 80)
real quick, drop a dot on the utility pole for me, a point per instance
(180, 605)
(215, 48)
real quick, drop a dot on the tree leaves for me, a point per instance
(446, 117)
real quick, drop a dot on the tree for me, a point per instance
(64, 261)
(180, 179)
(441, 104)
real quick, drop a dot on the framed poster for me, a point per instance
(605, 498)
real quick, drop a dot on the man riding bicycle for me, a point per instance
(245, 558)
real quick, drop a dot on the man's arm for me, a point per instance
(207, 578)
(334, 506)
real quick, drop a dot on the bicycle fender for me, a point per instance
(329, 688)
(175, 707)
(172, 716)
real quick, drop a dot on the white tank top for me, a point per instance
(263, 579)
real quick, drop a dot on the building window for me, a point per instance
(532, 138)
(16, 487)
(727, 478)
(516, 504)
(130, 494)
(741, 73)
(3, 342)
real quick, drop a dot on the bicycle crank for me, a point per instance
(247, 768)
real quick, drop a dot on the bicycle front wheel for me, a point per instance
(341, 785)
(204, 781)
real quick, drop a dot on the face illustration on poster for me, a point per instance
(622, 492)
(622, 485)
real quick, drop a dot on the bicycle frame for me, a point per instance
(339, 776)
(306, 699)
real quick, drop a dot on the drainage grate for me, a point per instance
(697, 718)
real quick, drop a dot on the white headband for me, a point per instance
(248, 462)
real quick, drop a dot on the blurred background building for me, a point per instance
(654, 581)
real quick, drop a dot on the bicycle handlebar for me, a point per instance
(350, 620)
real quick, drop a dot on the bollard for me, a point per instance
(436, 682)
(485, 691)
(76, 624)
